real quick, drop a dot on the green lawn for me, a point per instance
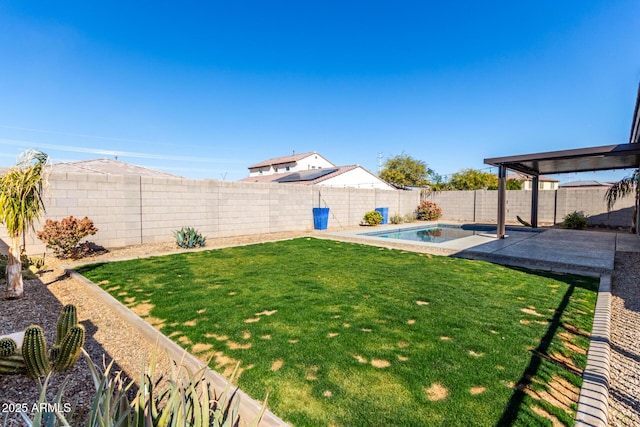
(350, 335)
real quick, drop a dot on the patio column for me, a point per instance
(535, 185)
(502, 201)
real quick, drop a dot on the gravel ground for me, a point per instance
(624, 384)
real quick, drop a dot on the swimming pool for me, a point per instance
(433, 233)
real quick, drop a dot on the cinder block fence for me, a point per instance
(132, 210)
(553, 206)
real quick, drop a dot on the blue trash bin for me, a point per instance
(320, 218)
(385, 214)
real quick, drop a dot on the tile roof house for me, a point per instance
(108, 167)
(313, 169)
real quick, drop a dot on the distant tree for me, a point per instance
(514, 184)
(473, 179)
(403, 170)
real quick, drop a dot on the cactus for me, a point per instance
(32, 358)
(7, 347)
(70, 348)
(12, 365)
(68, 318)
(54, 353)
(34, 352)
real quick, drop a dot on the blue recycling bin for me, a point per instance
(385, 214)
(320, 218)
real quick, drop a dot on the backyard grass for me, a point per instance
(344, 334)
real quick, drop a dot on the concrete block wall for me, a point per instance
(553, 206)
(132, 210)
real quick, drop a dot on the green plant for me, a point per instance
(575, 220)
(34, 352)
(64, 236)
(33, 358)
(372, 218)
(410, 217)
(184, 400)
(7, 347)
(21, 205)
(188, 238)
(428, 211)
(396, 219)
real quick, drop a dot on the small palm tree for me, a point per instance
(21, 205)
(623, 188)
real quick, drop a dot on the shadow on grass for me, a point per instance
(515, 406)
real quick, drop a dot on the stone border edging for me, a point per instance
(593, 405)
(248, 408)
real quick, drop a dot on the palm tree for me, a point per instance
(623, 188)
(21, 204)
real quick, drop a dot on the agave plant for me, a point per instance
(188, 238)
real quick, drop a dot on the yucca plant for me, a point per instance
(188, 238)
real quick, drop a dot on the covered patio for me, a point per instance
(607, 157)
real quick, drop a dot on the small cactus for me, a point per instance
(12, 365)
(33, 358)
(68, 318)
(7, 347)
(70, 348)
(34, 352)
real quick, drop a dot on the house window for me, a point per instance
(287, 168)
(541, 186)
(276, 169)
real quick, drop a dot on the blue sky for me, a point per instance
(205, 89)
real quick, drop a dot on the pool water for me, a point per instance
(434, 233)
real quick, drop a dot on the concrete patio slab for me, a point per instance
(549, 249)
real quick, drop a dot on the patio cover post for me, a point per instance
(502, 201)
(535, 185)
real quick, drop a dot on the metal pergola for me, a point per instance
(607, 157)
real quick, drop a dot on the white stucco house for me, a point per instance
(313, 169)
(292, 163)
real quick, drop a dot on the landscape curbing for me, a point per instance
(249, 409)
(593, 404)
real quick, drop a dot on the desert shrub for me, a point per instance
(372, 218)
(428, 211)
(64, 236)
(575, 220)
(410, 217)
(188, 238)
(396, 219)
